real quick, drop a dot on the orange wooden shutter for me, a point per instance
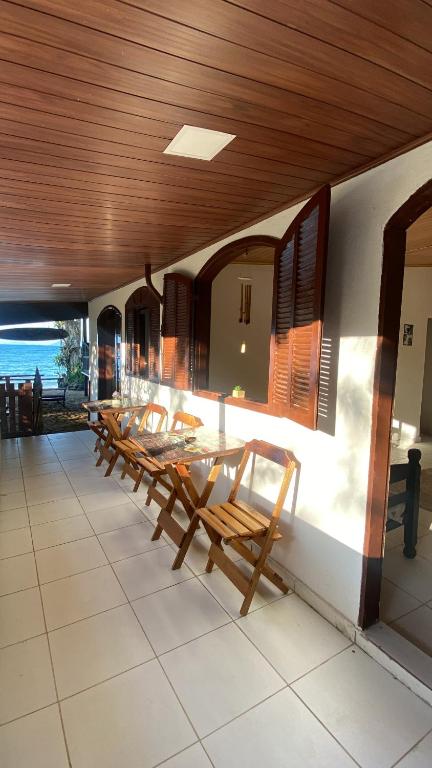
(298, 303)
(130, 342)
(177, 331)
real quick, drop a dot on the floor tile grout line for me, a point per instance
(404, 615)
(50, 655)
(180, 752)
(315, 716)
(404, 590)
(394, 765)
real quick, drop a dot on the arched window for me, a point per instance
(143, 334)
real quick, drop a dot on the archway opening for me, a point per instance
(109, 352)
(393, 332)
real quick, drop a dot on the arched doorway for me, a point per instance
(109, 351)
(384, 390)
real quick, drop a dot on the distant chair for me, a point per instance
(58, 394)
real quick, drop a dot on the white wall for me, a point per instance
(416, 309)
(324, 531)
(228, 366)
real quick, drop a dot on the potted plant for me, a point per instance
(238, 391)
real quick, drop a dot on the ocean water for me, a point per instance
(22, 359)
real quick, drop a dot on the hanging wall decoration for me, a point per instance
(245, 300)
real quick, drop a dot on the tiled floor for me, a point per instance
(406, 600)
(108, 658)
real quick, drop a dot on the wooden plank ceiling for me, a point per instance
(91, 92)
(419, 242)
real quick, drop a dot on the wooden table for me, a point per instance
(174, 453)
(117, 408)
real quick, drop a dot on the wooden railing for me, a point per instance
(20, 405)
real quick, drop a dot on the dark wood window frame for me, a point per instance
(382, 406)
(145, 366)
(202, 316)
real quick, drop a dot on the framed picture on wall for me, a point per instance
(408, 332)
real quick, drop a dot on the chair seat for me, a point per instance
(236, 520)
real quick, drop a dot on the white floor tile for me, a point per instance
(10, 470)
(35, 740)
(14, 485)
(61, 531)
(106, 725)
(413, 576)
(85, 484)
(147, 573)
(395, 602)
(95, 649)
(229, 596)
(12, 500)
(80, 596)
(38, 470)
(374, 716)
(420, 756)
(424, 546)
(104, 520)
(51, 491)
(17, 573)
(54, 510)
(126, 542)
(92, 501)
(26, 679)
(281, 733)
(13, 519)
(69, 559)
(219, 676)
(15, 543)
(37, 456)
(417, 627)
(178, 614)
(21, 616)
(292, 636)
(42, 482)
(193, 757)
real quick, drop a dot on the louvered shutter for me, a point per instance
(130, 342)
(298, 303)
(154, 342)
(177, 331)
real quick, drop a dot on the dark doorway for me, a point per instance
(109, 351)
(384, 389)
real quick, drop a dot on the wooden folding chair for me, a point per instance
(100, 431)
(181, 419)
(236, 522)
(137, 466)
(108, 450)
(125, 449)
(152, 408)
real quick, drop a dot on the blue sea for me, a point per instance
(22, 359)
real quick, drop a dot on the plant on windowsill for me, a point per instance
(238, 391)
